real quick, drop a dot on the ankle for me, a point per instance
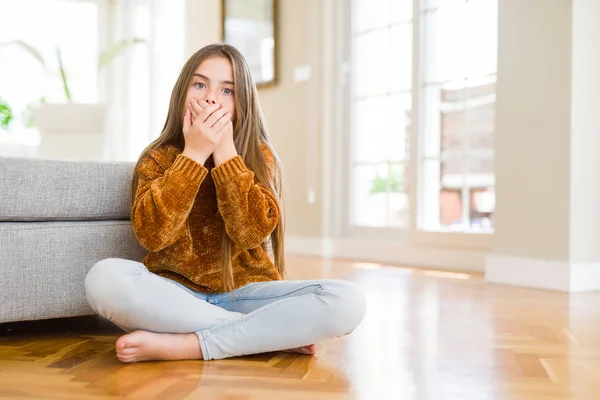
(194, 343)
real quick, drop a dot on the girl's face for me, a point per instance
(213, 83)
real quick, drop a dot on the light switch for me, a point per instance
(311, 197)
(302, 73)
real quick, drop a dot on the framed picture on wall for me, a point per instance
(251, 26)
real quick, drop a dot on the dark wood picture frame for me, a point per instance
(251, 26)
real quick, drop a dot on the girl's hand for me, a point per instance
(203, 133)
(225, 150)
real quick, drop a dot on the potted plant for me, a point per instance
(72, 117)
(70, 130)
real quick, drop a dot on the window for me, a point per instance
(24, 80)
(380, 107)
(455, 86)
(152, 69)
(458, 92)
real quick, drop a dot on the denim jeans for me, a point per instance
(256, 318)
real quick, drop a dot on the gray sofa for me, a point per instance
(58, 218)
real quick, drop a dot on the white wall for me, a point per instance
(533, 128)
(548, 146)
(585, 133)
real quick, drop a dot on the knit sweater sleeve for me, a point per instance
(250, 211)
(164, 199)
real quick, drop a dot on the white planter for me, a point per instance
(71, 131)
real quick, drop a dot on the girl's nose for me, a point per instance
(210, 98)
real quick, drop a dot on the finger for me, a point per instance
(228, 126)
(195, 107)
(216, 116)
(222, 121)
(207, 111)
(187, 119)
(194, 111)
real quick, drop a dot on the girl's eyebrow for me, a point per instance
(208, 79)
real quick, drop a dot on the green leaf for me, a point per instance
(6, 115)
(27, 115)
(108, 55)
(28, 48)
(63, 75)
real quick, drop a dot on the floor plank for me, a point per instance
(427, 335)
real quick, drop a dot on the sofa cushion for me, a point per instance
(33, 189)
(43, 265)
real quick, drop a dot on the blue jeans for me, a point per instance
(259, 317)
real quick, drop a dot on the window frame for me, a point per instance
(415, 234)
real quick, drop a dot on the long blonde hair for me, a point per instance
(250, 132)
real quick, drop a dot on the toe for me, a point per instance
(127, 359)
(121, 343)
(127, 351)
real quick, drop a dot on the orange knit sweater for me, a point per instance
(175, 192)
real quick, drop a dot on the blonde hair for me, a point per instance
(250, 132)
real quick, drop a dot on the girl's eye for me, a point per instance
(227, 91)
(199, 85)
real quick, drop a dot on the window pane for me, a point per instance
(461, 41)
(399, 60)
(453, 124)
(369, 204)
(480, 37)
(366, 14)
(400, 10)
(431, 4)
(480, 182)
(480, 172)
(398, 197)
(168, 58)
(138, 79)
(446, 122)
(380, 126)
(483, 203)
(480, 113)
(379, 198)
(442, 199)
(373, 14)
(458, 118)
(381, 102)
(451, 205)
(368, 61)
(459, 93)
(457, 189)
(382, 61)
(445, 45)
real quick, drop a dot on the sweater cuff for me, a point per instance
(230, 168)
(189, 167)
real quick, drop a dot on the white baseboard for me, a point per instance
(541, 274)
(382, 251)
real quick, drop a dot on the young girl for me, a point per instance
(206, 202)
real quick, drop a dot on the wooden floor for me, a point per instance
(426, 335)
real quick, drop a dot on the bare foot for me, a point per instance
(310, 350)
(146, 346)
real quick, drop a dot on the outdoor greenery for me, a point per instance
(395, 181)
